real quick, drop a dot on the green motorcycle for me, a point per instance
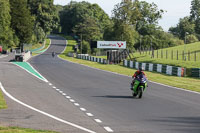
(139, 86)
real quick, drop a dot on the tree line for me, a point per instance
(188, 28)
(136, 22)
(26, 21)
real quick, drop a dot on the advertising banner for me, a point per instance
(111, 44)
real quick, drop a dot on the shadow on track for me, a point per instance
(191, 124)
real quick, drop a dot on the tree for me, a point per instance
(184, 25)
(86, 47)
(89, 30)
(6, 34)
(46, 17)
(77, 13)
(22, 21)
(148, 15)
(132, 18)
(195, 14)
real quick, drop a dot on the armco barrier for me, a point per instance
(94, 59)
(195, 72)
(166, 69)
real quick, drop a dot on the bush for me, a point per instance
(191, 39)
(86, 48)
(175, 42)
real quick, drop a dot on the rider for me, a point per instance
(138, 72)
(53, 54)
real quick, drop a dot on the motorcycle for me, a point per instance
(53, 54)
(139, 86)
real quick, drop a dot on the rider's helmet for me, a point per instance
(140, 69)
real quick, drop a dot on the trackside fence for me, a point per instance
(160, 68)
(195, 72)
(166, 69)
(93, 59)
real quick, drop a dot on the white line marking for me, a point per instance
(90, 114)
(108, 129)
(83, 109)
(72, 100)
(54, 87)
(64, 94)
(38, 72)
(45, 80)
(44, 113)
(50, 84)
(76, 104)
(98, 121)
(58, 89)
(3, 56)
(131, 76)
(61, 91)
(68, 97)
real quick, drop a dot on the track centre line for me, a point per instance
(44, 113)
(108, 129)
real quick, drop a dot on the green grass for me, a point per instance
(2, 102)
(167, 56)
(42, 50)
(181, 82)
(21, 130)
(103, 57)
(35, 46)
(70, 44)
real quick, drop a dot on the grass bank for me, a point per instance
(181, 82)
(173, 56)
(41, 50)
(3, 104)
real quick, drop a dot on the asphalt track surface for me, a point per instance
(105, 95)
(161, 110)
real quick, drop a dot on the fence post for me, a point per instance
(161, 53)
(172, 54)
(146, 50)
(152, 56)
(188, 55)
(149, 51)
(157, 53)
(143, 49)
(166, 54)
(177, 54)
(183, 55)
(195, 56)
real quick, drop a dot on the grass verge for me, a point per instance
(21, 130)
(35, 46)
(3, 104)
(180, 82)
(42, 50)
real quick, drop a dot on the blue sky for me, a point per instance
(175, 9)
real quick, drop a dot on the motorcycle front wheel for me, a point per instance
(140, 92)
